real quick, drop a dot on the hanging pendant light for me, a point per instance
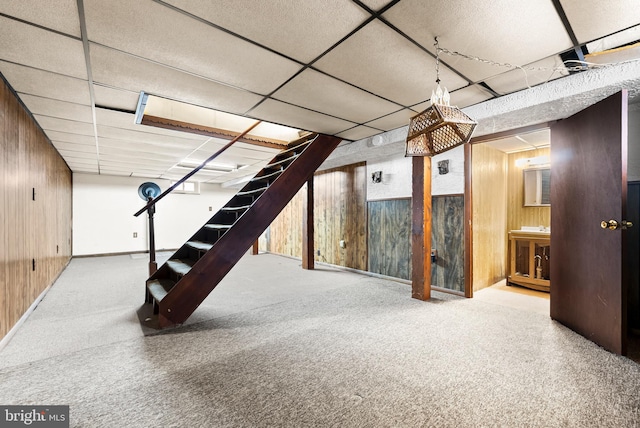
(440, 127)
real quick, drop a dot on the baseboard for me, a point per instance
(124, 253)
(7, 337)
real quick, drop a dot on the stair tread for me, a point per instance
(199, 245)
(250, 192)
(217, 226)
(160, 288)
(305, 143)
(262, 177)
(180, 266)
(244, 207)
(280, 162)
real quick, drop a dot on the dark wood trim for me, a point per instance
(176, 125)
(511, 132)
(448, 195)
(468, 223)
(421, 229)
(405, 198)
(308, 247)
(255, 248)
(446, 290)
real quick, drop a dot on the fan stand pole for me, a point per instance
(153, 266)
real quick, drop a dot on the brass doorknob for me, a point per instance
(614, 225)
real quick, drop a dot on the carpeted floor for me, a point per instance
(276, 346)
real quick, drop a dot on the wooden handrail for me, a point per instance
(195, 170)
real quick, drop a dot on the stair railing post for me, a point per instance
(153, 266)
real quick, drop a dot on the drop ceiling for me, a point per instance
(351, 68)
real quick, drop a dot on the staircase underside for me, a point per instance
(181, 284)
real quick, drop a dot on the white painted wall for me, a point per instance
(451, 183)
(396, 176)
(103, 208)
(396, 179)
(633, 163)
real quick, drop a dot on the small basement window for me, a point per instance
(192, 187)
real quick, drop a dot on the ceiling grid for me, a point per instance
(351, 68)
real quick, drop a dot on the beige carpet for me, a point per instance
(277, 346)
(521, 298)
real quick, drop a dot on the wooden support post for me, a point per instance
(308, 247)
(421, 229)
(255, 248)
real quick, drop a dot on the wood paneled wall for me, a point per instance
(447, 237)
(340, 208)
(390, 238)
(489, 217)
(517, 214)
(340, 214)
(284, 235)
(35, 235)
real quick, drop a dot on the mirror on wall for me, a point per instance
(537, 186)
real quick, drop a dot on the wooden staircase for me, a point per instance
(181, 284)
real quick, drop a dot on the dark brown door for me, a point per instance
(589, 185)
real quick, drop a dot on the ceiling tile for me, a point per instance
(124, 138)
(35, 47)
(45, 84)
(615, 40)
(509, 145)
(84, 169)
(58, 109)
(358, 133)
(225, 159)
(537, 138)
(393, 121)
(74, 154)
(592, 19)
(317, 91)
(70, 147)
(65, 19)
(123, 120)
(62, 125)
(395, 69)
(308, 27)
(72, 160)
(65, 137)
(469, 96)
(190, 45)
(119, 70)
(515, 80)
(494, 30)
(287, 114)
(138, 156)
(116, 98)
(124, 173)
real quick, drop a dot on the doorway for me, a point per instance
(501, 207)
(590, 287)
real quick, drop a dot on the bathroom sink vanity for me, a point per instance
(529, 254)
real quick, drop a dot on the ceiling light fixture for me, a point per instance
(440, 127)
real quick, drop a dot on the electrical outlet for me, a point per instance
(135, 234)
(210, 208)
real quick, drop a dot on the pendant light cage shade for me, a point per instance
(438, 129)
